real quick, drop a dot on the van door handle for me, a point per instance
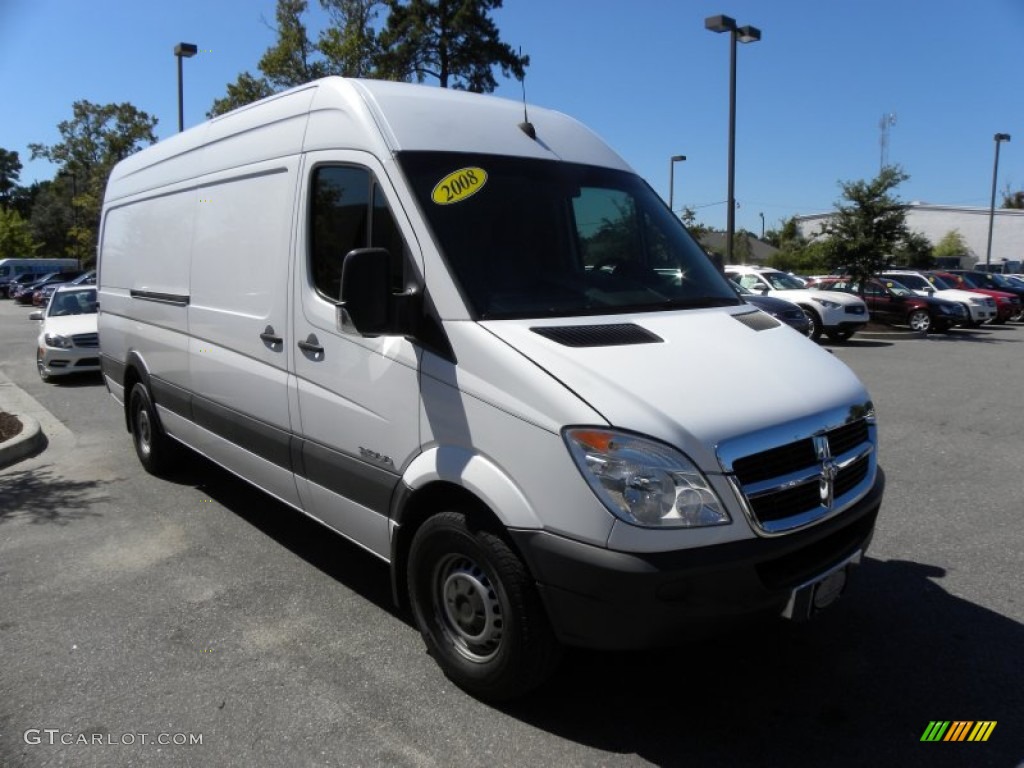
(311, 346)
(269, 337)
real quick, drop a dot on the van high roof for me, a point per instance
(374, 116)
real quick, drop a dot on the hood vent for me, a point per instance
(758, 321)
(614, 335)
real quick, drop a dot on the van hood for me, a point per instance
(699, 379)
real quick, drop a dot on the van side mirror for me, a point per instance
(36, 315)
(365, 307)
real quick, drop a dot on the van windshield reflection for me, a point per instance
(538, 238)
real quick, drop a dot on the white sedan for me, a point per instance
(69, 340)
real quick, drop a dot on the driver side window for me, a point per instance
(349, 211)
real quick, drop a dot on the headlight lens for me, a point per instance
(56, 340)
(827, 303)
(644, 482)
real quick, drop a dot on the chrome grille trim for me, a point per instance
(813, 476)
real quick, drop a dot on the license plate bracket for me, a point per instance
(820, 592)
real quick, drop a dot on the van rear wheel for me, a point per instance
(156, 451)
(478, 610)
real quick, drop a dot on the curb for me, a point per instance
(28, 442)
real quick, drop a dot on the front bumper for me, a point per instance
(60, 362)
(599, 598)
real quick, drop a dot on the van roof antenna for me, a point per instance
(526, 126)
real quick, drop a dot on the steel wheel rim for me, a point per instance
(468, 609)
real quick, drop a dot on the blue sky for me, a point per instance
(644, 74)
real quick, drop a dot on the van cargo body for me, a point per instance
(487, 353)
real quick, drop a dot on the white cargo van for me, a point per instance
(485, 351)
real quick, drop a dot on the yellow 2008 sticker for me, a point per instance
(458, 185)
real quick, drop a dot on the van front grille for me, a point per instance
(794, 484)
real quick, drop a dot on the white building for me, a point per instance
(936, 221)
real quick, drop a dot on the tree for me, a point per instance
(245, 90)
(10, 172)
(52, 217)
(292, 61)
(951, 246)
(350, 44)
(15, 237)
(867, 231)
(96, 138)
(916, 251)
(697, 229)
(1013, 199)
(454, 41)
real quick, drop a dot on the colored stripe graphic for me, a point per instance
(958, 731)
(982, 730)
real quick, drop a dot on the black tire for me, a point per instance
(816, 327)
(970, 322)
(478, 610)
(157, 452)
(920, 320)
(839, 335)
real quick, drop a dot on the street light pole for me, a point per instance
(999, 137)
(762, 224)
(672, 179)
(183, 51)
(744, 34)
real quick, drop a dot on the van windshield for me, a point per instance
(537, 238)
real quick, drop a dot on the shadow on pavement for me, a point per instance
(331, 553)
(857, 686)
(856, 343)
(46, 497)
(75, 380)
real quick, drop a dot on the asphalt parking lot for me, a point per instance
(199, 608)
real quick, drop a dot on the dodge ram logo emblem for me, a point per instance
(829, 470)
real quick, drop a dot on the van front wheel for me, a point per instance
(157, 452)
(478, 610)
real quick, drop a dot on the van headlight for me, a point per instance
(644, 482)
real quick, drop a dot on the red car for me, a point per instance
(892, 302)
(1007, 304)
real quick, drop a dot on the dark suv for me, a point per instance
(892, 302)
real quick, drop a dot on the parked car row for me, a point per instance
(927, 301)
(837, 315)
(32, 289)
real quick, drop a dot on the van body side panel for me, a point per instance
(504, 443)
(144, 290)
(238, 316)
